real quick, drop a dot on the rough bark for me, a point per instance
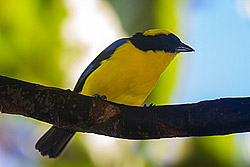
(73, 111)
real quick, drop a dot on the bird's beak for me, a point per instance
(184, 48)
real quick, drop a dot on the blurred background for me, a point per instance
(51, 42)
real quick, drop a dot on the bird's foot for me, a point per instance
(150, 105)
(103, 97)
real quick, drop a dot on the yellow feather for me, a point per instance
(128, 76)
(153, 32)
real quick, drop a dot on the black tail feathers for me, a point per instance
(53, 142)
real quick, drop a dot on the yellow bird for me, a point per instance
(125, 72)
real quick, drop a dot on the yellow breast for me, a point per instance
(128, 76)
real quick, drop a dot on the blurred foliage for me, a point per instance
(212, 151)
(77, 155)
(138, 15)
(30, 41)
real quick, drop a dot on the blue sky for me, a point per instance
(220, 66)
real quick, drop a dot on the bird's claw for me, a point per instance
(150, 105)
(103, 97)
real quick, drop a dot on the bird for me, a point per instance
(125, 73)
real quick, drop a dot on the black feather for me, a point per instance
(53, 142)
(168, 43)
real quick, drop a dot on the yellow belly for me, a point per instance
(128, 76)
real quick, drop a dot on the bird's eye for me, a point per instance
(171, 42)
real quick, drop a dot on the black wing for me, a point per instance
(105, 54)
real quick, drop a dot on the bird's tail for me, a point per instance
(53, 142)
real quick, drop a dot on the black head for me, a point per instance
(159, 40)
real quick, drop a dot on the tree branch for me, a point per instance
(73, 111)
